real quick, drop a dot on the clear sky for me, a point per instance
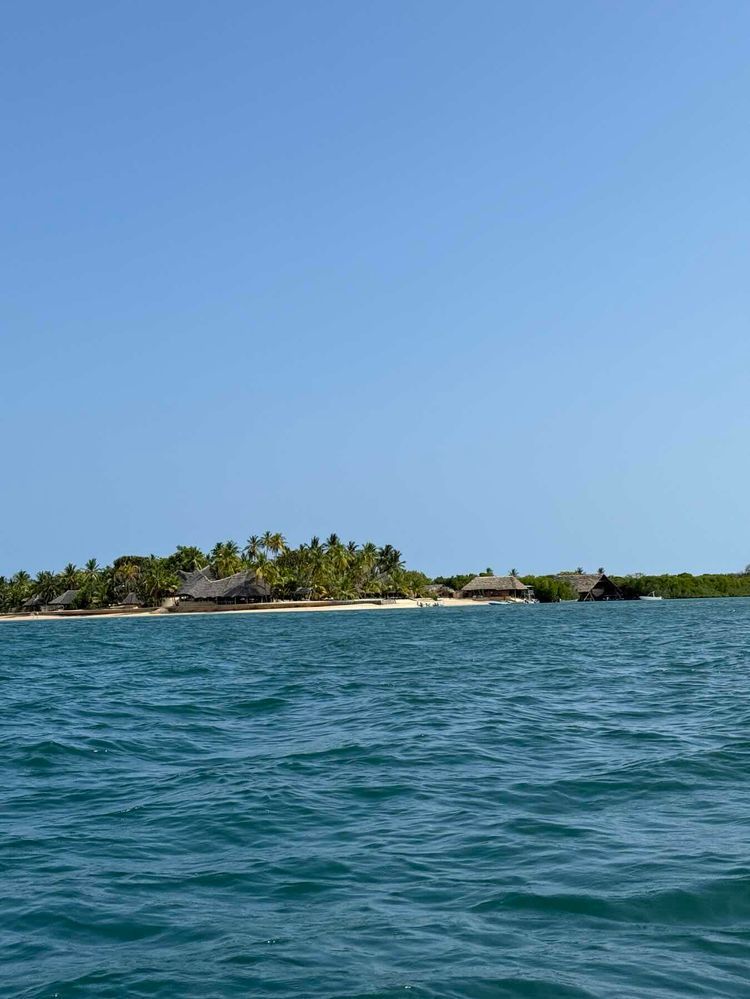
(469, 278)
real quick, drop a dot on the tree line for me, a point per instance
(329, 568)
(318, 569)
(683, 585)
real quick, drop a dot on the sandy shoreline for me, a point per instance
(255, 609)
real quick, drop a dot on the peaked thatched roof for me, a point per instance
(31, 602)
(64, 599)
(499, 583)
(440, 589)
(241, 585)
(195, 575)
(584, 582)
(131, 600)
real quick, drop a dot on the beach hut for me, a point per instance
(591, 585)
(131, 600)
(496, 588)
(304, 593)
(440, 590)
(34, 603)
(64, 601)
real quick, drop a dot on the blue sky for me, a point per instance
(469, 278)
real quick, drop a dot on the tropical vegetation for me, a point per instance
(684, 585)
(318, 569)
(329, 568)
(550, 589)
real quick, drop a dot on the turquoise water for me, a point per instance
(527, 801)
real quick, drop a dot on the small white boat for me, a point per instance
(651, 596)
(499, 603)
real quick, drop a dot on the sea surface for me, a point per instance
(546, 801)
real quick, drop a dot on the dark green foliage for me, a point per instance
(188, 558)
(684, 585)
(330, 569)
(549, 589)
(322, 569)
(456, 582)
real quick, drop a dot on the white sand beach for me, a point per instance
(277, 608)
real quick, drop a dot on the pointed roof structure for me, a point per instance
(63, 600)
(591, 585)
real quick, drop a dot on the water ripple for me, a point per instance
(539, 802)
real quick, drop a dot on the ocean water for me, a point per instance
(548, 801)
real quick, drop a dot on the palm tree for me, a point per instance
(277, 543)
(70, 577)
(128, 572)
(389, 559)
(225, 558)
(252, 547)
(188, 558)
(19, 588)
(266, 541)
(336, 563)
(91, 571)
(45, 586)
(265, 570)
(513, 572)
(89, 584)
(370, 552)
(102, 592)
(157, 580)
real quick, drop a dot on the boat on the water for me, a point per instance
(651, 596)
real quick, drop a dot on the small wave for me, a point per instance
(710, 903)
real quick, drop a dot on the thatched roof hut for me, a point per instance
(33, 603)
(240, 588)
(131, 600)
(495, 587)
(64, 600)
(440, 590)
(591, 585)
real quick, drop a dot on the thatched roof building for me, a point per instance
(495, 587)
(440, 590)
(33, 603)
(64, 600)
(188, 578)
(131, 600)
(240, 588)
(591, 585)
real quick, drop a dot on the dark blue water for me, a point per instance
(528, 801)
